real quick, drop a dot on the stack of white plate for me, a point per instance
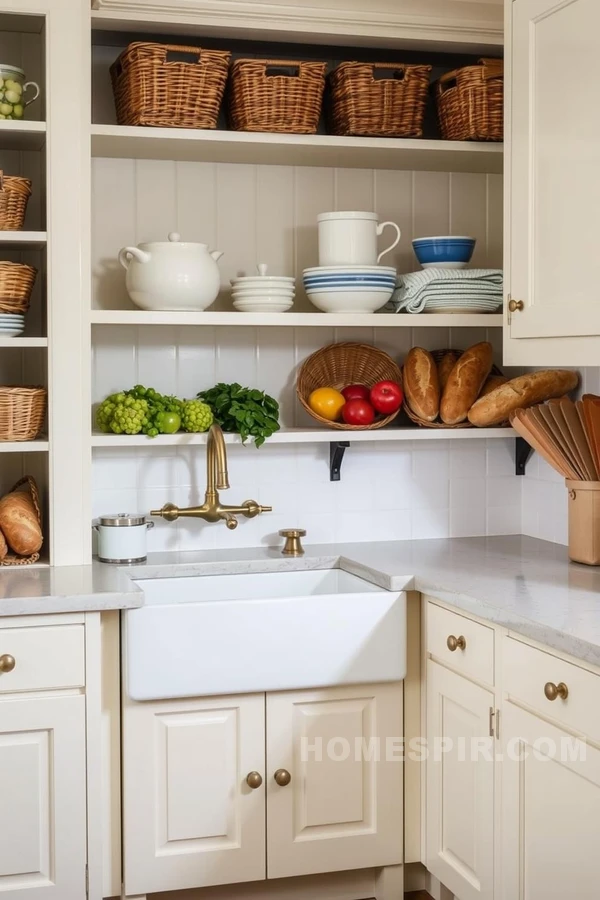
(262, 292)
(11, 324)
(349, 289)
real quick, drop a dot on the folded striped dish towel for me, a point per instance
(447, 287)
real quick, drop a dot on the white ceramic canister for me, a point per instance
(350, 238)
(122, 538)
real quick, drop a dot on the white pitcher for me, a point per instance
(350, 238)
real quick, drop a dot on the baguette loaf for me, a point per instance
(493, 382)
(465, 382)
(19, 523)
(445, 366)
(3, 547)
(521, 392)
(421, 384)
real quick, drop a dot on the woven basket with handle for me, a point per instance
(22, 411)
(339, 365)
(276, 95)
(153, 85)
(16, 284)
(470, 102)
(14, 196)
(11, 559)
(378, 99)
(437, 355)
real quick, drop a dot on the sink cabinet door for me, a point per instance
(343, 807)
(460, 784)
(550, 810)
(190, 818)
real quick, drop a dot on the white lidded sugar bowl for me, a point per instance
(122, 538)
(171, 275)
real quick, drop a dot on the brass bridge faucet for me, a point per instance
(217, 478)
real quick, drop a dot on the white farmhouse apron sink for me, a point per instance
(231, 634)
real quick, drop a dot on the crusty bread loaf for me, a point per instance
(3, 546)
(421, 384)
(445, 366)
(491, 383)
(521, 392)
(19, 523)
(465, 382)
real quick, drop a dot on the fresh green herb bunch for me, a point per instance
(246, 411)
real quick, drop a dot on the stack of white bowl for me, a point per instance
(262, 292)
(349, 278)
(12, 324)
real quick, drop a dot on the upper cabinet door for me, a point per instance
(554, 164)
(342, 807)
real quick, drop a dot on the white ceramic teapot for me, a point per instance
(171, 275)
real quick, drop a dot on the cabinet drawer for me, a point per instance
(46, 657)
(527, 670)
(476, 658)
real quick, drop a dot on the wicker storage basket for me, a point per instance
(470, 102)
(378, 99)
(22, 411)
(150, 89)
(11, 559)
(437, 355)
(16, 283)
(339, 365)
(14, 196)
(276, 95)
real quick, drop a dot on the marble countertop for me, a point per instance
(518, 582)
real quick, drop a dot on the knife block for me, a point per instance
(584, 521)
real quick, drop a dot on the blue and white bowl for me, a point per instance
(349, 276)
(444, 252)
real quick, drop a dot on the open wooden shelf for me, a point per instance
(40, 445)
(28, 239)
(323, 320)
(22, 135)
(197, 145)
(308, 436)
(18, 342)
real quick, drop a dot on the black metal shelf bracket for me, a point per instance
(336, 455)
(522, 454)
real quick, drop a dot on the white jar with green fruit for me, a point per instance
(13, 89)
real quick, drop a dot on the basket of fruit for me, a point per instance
(353, 387)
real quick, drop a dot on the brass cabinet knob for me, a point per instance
(293, 544)
(282, 777)
(7, 662)
(552, 691)
(456, 643)
(254, 780)
(516, 306)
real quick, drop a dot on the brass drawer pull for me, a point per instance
(7, 662)
(282, 777)
(552, 691)
(456, 643)
(516, 306)
(254, 780)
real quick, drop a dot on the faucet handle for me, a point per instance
(254, 509)
(293, 544)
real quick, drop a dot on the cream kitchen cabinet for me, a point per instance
(196, 814)
(460, 764)
(43, 853)
(553, 192)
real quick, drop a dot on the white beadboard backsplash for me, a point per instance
(268, 214)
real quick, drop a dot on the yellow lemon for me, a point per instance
(326, 402)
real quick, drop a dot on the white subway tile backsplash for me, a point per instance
(430, 523)
(467, 521)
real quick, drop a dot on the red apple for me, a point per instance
(356, 392)
(386, 397)
(357, 412)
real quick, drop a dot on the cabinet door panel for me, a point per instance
(42, 794)
(555, 148)
(551, 812)
(460, 784)
(343, 806)
(190, 819)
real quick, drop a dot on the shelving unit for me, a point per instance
(40, 445)
(17, 342)
(293, 320)
(194, 145)
(26, 239)
(22, 135)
